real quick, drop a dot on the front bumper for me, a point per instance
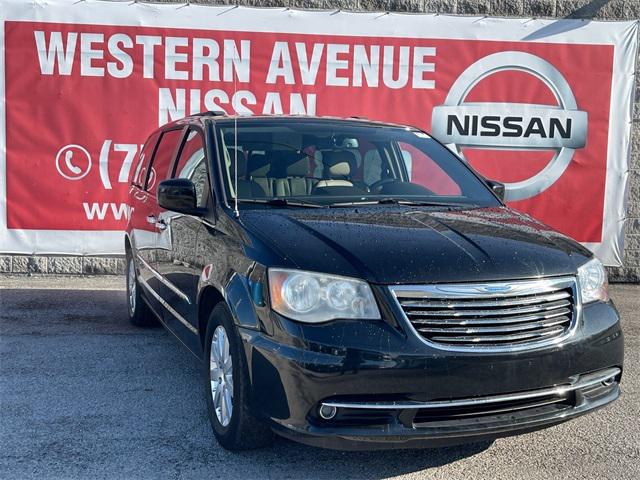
(429, 424)
(353, 365)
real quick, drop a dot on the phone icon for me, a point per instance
(68, 155)
(73, 162)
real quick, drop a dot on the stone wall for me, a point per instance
(61, 265)
(582, 9)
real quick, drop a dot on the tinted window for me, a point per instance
(140, 172)
(375, 165)
(336, 162)
(192, 165)
(425, 171)
(162, 158)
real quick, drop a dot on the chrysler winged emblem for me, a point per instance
(496, 288)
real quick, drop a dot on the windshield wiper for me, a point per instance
(402, 201)
(281, 202)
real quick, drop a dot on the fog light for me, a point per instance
(327, 412)
(608, 382)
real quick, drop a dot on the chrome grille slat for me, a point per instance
(492, 312)
(501, 338)
(496, 302)
(488, 321)
(502, 315)
(519, 327)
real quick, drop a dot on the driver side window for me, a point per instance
(192, 165)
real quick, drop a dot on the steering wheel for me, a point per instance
(377, 186)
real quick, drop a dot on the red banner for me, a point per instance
(82, 98)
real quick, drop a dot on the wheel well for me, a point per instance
(209, 298)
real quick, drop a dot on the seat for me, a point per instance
(279, 159)
(290, 174)
(247, 188)
(281, 187)
(297, 175)
(258, 169)
(338, 165)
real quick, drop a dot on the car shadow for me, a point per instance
(371, 464)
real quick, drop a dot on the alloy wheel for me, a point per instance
(221, 375)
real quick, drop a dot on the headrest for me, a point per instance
(299, 168)
(338, 163)
(342, 169)
(258, 165)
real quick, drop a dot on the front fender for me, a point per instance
(237, 295)
(234, 288)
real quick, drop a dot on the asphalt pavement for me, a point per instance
(85, 395)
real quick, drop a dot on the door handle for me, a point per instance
(161, 224)
(152, 219)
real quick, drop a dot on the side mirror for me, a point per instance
(179, 195)
(497, 187)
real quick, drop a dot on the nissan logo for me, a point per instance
(514, 126)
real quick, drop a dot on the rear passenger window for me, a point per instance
(140, 173)
(162, 159)
(193, 166)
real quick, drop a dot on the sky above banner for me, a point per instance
(545, 116)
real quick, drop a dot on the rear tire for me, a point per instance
(139, 313)
(227, 387)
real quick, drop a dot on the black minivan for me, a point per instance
(355, 285)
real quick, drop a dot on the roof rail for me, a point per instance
(212, 113)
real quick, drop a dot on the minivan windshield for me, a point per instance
(307, 163)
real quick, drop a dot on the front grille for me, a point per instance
(499, 315)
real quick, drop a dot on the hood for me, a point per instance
(395, 244)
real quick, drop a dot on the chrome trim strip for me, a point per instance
(164, 324)
(496, 410)
(166, 282)
(167, 306)
(585, 381)
(482, 290)
(491, 290)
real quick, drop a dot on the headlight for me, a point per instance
(592, 279)
(316, 297)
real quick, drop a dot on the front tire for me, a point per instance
(227, 386)
(139, 313)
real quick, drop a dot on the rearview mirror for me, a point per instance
(497, 187)
(179, 195)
